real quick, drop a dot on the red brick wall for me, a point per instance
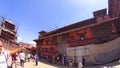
(114, 8)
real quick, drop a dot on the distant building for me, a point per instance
(97, 39)
(8, 34)
(29, 47)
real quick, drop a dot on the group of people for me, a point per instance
(34, 57)
(28, 57)
(65, 60)
(6, 54)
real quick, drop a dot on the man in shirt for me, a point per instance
(28, 57)
(4, 55)
(22, 58)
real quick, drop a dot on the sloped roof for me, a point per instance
(91, 25)
(71, 27)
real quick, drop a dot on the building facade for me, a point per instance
(94, 38)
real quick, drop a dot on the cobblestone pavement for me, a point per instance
(31, 64)
(114, 64)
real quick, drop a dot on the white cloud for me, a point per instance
(32, 43)
(19, 39)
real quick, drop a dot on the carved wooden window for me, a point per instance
(82, 36)
(46, 49)
(46, 42)
(53, 41)
(64, 37)
(88, 34)
(59, 38)
(40, 43)
(42, 49)
(51, 49)
(73, 36)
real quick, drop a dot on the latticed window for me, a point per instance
(42, 49)
(64, 37)
(71, 38)
(59, 38)
(40, 43)
(39, 49)
(53, 41)
(82, 36)
(46, 49)
(47, 42)
(51, 49)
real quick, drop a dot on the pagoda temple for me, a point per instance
(8, 34)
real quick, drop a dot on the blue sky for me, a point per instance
(32, 16)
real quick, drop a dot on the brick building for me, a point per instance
(29, 47)
(97, 38)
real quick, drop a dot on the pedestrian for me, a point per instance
(83, 61)
(50, 59)
(70, 62)
(53, 58)
(28, 57)
(4, 55)
(63, 60)
(32, 57)
(80, 65)
(14, 60)
(119, 60)
(66, 60)
(36, 59)
(22, 58)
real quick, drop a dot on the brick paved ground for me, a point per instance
(42, 64)
(31, 64)
(114, 64)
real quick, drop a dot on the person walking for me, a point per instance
(22, 58)
(28, 57)
(63, 60)
(14, 60)
(70, 62)
(36, 59)
(4, 55)
(83, 61)
(66, 60)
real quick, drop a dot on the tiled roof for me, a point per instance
(71, 27)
